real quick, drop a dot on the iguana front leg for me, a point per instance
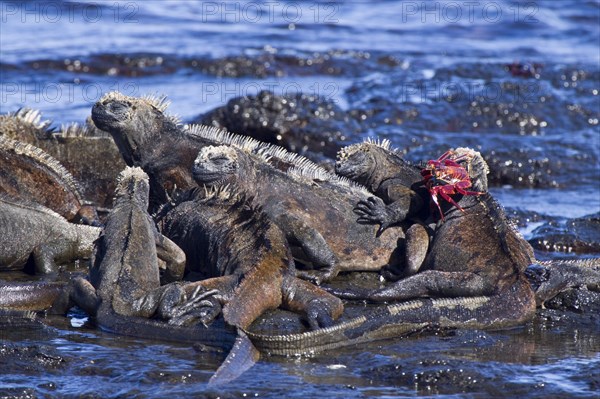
(320, 307)
(374, 211)
(44, 256)
(314, 247)
(392, 205)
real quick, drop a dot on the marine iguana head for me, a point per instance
(133, 186)
(476, 166)
(371, 162)
(132, 121)
(216, 165)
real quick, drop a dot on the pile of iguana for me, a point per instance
(312, 207)
(384, 171)
(242, 212)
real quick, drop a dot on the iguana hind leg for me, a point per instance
(174, 258)
(314, 246)
(44, 256)
(417, 244)
(320, 307)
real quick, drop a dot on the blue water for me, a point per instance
(385, 58)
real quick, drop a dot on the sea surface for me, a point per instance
(518, 80)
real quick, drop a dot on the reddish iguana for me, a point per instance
(29, 173)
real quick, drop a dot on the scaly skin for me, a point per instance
(399, 196)
(124, 277)
(148, 138)
(244, 257)
(315, 215)
(474, 252)
(512, 307)
(30, 173)
(51, 297)
(25, 125)
(549, 278)
(396, 183)
(28, 229)
(311, 206)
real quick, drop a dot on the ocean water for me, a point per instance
(425, 74)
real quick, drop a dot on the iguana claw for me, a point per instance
(202, 306)
(374, 211)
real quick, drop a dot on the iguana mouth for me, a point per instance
(208, 178)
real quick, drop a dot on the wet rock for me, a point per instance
(308, 125)
(580, 235)
(29, 358)
(431, 376)
(579, 300)
(482, 98)
(257, 63)
(523, 218)
(525, 70)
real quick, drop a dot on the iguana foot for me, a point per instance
(390, 273)
(319, 314)
(202, 306)
(319, 276)
(374, 211)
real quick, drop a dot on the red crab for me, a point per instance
(445, 177)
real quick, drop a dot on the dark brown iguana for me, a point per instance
(30, 173)
(29, 229)
(311, 206)
(243, 256)
(387, 175)
(399, 195)
(475, 251)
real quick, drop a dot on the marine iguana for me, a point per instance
(395, 182)
(30, 173)
(244, 256)
(314, 212)
(474, 274)
(29, 229)
(299, 199)
(399, 195)
(474, 252)
(124, 276)
(25, 125)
